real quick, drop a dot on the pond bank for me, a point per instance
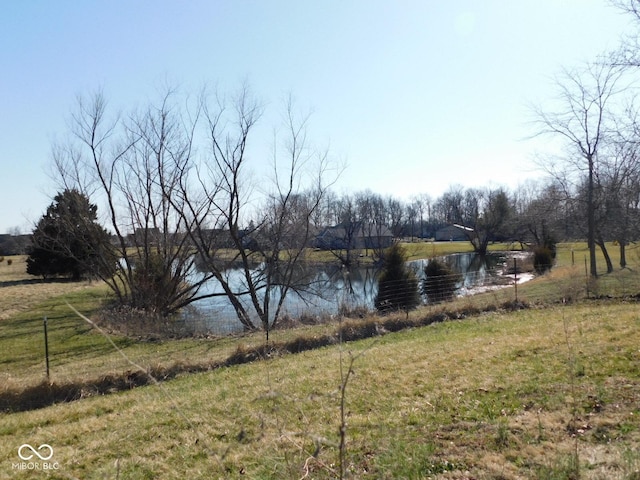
(333, 289)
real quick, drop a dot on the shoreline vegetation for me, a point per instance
(24, 303)
(516, 389)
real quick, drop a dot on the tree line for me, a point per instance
(161, 271)
(183, 194)
(178, 195)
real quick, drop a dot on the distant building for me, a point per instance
(453, 233)
(356, 237)
(14, 244)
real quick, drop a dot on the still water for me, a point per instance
(334, 287)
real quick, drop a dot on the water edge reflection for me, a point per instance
(334, 288)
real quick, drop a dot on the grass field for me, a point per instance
(547, 393)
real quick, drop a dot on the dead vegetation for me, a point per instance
(517, 390)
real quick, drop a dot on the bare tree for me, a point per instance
(620, 182)
(270, 253)
(628, 53)
(342, 238)
(422, 205)
(486, 213)
(372, 216)
(582, 120)
(448, 208)
(134, 166)
(165, 202)
(395, 215)
(541, 212)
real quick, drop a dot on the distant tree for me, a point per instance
(544, 250)
(68, 241)
(488, 214)
(583, 120)
(541, 211)
(619, 180)
(395, 215)
(440, 281)
(542, 259)
(422, 207)
(397, 284)
(372, 214)
(341, 241)
(628, 53)
(448, 208)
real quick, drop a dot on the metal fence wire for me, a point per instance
(481, 290)
(514, 281)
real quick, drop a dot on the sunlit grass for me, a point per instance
(77, 352)
(491, 396)
(417, 250)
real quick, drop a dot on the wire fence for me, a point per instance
(513, 281)
(33, 347)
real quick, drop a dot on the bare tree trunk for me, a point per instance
(600, 242)
(591, 220)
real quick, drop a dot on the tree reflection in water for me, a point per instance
(335, 289)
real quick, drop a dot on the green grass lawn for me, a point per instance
(78, 352)
(499, 395)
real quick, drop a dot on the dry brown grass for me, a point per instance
(498, 396)
(19, 291)
(13, 269)
(18, 298)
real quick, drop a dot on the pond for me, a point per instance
(335, 288)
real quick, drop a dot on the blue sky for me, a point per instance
(413, 95)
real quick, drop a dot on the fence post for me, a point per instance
(515, 276)
(46, 346)
(586, 276)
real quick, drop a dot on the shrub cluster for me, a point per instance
(440, 281)
(397, 285)
(542, 259)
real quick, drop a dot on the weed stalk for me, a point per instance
(575, 467)
(152, 379)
